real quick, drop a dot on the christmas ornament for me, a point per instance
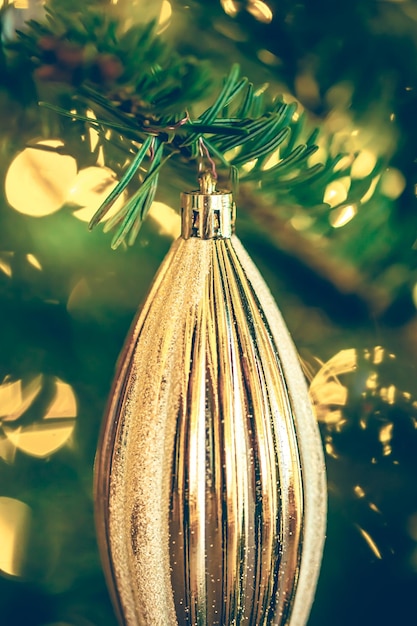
(210, 481)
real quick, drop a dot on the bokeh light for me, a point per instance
(371, 190)
(7, 449)
(336, 192)
(361, 380)
(327, 392)
(230, 7)
(268, 58)
(364, 164)
(342, 215)
(37, 417)
(368, 420)
(10, 262)
(353, 393)
(17, 13)
(38, 181)
(15, 397)
(164, 16)
(33, 261)
(260, 11)
(369, 541)
(14, 527)
(90, 188)
(167, 219)
(5, 263)
(257, 8)
(392, 183)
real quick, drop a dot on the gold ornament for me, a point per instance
(210, 481)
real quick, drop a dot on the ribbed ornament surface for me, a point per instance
(210, 481)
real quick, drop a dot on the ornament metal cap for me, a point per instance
(207, 213)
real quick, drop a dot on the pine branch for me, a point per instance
(139, 88)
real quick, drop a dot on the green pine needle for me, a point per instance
(121, 186)
(140, 92)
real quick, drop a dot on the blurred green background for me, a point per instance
(340, 258)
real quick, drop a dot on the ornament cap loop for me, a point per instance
(207, 213)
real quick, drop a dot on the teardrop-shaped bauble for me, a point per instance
(210, 479)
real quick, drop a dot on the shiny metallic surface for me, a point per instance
(207, 215)
(210, 479)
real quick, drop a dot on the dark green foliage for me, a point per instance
(140, 89)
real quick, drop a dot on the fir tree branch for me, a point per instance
(139, 88)
(121, 186)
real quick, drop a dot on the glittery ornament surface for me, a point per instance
(210, 482)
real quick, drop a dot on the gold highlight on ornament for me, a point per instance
(210, 480)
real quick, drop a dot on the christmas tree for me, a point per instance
(108, 111)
